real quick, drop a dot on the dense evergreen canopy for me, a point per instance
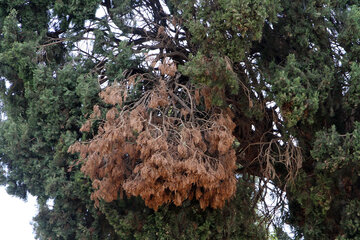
(169, 119)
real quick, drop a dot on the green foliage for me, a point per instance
(16, 58)
(74, 12)
(227, 27)
(335, 178)
(293, 94)
(215, 72)
(353, 94)
(235, 221)
(351, 32)
(350, 221)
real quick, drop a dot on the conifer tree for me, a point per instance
(168, 119)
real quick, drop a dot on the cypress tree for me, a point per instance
(168, 119)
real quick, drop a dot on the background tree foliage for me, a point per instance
(203, 103)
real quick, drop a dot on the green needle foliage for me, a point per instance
(260, 98)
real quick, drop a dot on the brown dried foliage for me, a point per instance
(161, 148)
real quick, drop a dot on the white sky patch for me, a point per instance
(50, 203)
(16, 217)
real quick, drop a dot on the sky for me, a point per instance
(16, 216)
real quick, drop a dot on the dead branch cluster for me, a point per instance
(162, 147)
